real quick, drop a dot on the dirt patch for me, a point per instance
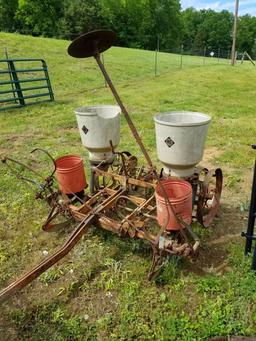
(210, 260)
(70, 130)
(230, 221)
(225, 239)
(94, 305)
(7, 332)
(247, 178)
(4, 151)
(209, 157)
(225, 229)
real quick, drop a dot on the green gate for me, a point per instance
(24, 82)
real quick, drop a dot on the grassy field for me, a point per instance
(100, 290)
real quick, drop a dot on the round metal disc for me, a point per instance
(91, 43)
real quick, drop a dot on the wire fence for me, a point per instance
(200, 57)
(136, 64)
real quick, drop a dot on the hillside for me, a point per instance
(100, 290)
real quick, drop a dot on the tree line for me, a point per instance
(139, 23)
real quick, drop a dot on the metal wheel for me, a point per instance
(209, 196)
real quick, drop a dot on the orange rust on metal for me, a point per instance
(139, 208)
(85, 208)
(111, 200)
(137, 200)
(78, 215)
(123, 179)
(116, 227)
(109, 224)
(101, 209)
(94, 198)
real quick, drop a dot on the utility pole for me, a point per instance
(233, 51)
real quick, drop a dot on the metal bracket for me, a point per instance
(169, 142)
(252, 237)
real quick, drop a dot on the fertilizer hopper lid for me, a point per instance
(182, 119)
(91, 43)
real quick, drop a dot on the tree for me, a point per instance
(39, 17)
(191, 19)
(246, 34)
(8, 9)
(215, 29)
(128, 19)
(220, 30)
(80, 16)
(207, 28)
(165, 21)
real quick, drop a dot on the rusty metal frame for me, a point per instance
(100, 209)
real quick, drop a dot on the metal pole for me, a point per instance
(249, 57)
(16, 82)
(242, 60)
(204, 54)
(228, 56)
(125, 112)
(251, 218)
(156, 63)
(48, 80)
(181, 56)
(157, 50)
(233, 51)
(103, 62)
(10, 74)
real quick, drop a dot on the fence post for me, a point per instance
(218, 55)
(204, 55)
(181, 56)
(16, 82)
(156, 63)
(157, 50)
(228, 56)
(48, 80)
(10, 74)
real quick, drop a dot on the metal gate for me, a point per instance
(24, 82)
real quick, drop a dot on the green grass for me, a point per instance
(100, 291)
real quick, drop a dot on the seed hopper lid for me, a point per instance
(91, 43)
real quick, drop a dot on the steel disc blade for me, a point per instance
(91, 43)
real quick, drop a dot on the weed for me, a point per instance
(232, 181)
(209, 285)
(170, 271)
(51, 275)
(48, 321)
